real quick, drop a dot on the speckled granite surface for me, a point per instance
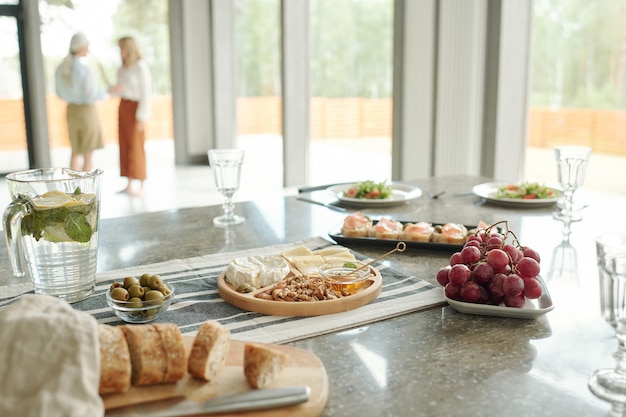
(436, 362)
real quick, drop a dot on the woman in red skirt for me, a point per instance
(133, 86)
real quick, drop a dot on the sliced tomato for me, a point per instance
(530, 197)
(375, 193)
(351, 193)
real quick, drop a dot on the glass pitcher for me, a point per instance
(51, 229)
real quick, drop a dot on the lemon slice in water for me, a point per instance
(56, 198)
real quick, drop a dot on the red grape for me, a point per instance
(495, 285)
(459, 274)
(528, 267)
(497, 258)
(532, 288)
(531, 253)
(513, 252)
(483, 272)
(453, 291)
(470, 291)
(470, 254)
(442, 276)
(517, 301)
(456, 258)
(513, 285)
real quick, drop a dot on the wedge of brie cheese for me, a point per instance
(257, 271)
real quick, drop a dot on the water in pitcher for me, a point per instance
(60, 241)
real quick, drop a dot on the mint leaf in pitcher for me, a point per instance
(77, 227)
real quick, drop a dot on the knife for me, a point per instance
(330, 206)
(251, 400)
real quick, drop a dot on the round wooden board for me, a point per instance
(249, 302)
(303, 368)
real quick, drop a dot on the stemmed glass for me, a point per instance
(571, 164)
(226, 165)
(610, 384)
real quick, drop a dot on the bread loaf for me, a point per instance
(147, 354)
(115, 366)
(209, 350)
(262, 364)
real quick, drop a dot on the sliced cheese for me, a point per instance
(331, 250)
(296, 252)
(308, 265)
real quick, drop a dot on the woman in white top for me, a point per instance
(133, 86)
(77, 85)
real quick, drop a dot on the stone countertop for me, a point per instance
(436, 362)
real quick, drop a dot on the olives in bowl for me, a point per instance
(140, 300)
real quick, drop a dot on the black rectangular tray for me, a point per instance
(336, 235)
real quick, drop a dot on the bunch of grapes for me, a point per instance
(490, 270)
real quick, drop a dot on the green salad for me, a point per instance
(525, 191)
(369, 190)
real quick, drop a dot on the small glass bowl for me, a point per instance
(148, 311)
(341, 275)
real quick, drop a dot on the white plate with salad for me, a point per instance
(375, 194)
(525, 194)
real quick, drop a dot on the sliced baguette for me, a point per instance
(209, 350)
(262, 364)
(175, 355)
(115, 366)
(147, 354)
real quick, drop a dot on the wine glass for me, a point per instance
(226, 165)
(610, 384)
(571, 162)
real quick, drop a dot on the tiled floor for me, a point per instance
(169, 186)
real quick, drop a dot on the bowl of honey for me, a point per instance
(346, 277)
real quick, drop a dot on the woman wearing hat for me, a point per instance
(76, 84)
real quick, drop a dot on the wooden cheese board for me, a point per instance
(303, 368)
(250, 302)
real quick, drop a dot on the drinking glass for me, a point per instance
(226, 165)
(571, 162)
(610, 384)
(51, 230)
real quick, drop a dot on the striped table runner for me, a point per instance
(197, 298)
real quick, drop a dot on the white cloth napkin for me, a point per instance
(49, 360)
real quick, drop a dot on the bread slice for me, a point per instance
(209, 350)
(356, 225)
(262, 364)
(147, 354)
(115, 366)
(451, 233)
(175, 355)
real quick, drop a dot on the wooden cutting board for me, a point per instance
(303, 368)
(249, 301)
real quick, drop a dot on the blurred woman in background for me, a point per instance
(76, 84)
(133, 86)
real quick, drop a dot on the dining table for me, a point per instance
(426, 359)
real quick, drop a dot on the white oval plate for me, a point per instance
(488, 192)
(532, 309)
(400, 194)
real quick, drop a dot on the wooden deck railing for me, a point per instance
(603, 130)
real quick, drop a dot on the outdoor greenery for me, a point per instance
(579, 54)
(578, 48)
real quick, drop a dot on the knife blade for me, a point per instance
(261, 399)
(330, 206)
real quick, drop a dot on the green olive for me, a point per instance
(116, 284)
(119, 294)
(154, 297)
(165, 290)
(135, 302)
(136, 291)
(146, 289)
(130, 281)
(155, 281)
(143, 279)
